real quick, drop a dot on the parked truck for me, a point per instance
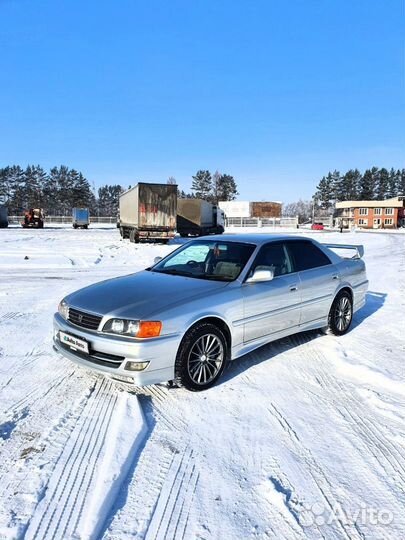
(33, 218)
(148, 212)
(3, 217)
(80, 218)
(196, 217)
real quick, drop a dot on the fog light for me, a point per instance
(136, 366)
(117, 326)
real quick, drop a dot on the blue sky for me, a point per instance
(275, 92)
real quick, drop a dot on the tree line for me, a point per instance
(373, 184)
(209, 187)
(61, 188)
(57, 191)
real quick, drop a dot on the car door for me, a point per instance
(318, 279)
(272, 306)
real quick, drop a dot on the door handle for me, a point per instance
(335, 277)
(293, 288)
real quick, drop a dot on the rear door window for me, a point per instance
(273, 257)
(306, 255)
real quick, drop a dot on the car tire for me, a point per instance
(201, 358)
(340, 314)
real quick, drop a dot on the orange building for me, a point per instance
(386, 214)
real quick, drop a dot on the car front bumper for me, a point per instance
(160, 353)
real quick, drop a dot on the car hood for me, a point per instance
(140, 295)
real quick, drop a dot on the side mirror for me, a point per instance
(157, 259)
(261, 275)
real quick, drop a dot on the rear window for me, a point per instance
(306, 255)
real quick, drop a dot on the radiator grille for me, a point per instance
(85, 320)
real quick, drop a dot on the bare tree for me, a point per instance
(302, 209)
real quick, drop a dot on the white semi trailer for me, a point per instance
(148, 212)
(197, 217)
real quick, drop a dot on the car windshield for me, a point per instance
(207, 259)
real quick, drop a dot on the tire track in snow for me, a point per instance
(317, 474)
(44, 385)
(45, 388)
(76, 465)
(10, 316)
(23, 415)
(89, 472)
(386, 453)
(371, 435)
(171, 513)
(302, 344)
(24, 470)
(352, 408)
(162, 402)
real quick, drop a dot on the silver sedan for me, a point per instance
(210, 301)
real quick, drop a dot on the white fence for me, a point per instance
(230, 222)
(262, 222)
(64, 219)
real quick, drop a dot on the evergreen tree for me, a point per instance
(50, 194)
(393, 182)
(108, 200)
(5, 186)
(16, 181)
(103, 200)
(401, 182)
(215, 195)
(347, 190)
(324, 191)
(226, 189)
(82, 195)
(382, 184)
(375, 175)
(367, 186)
(65, 190)
(33, 187)
(336, 182)
(202, 185)
(60, 190)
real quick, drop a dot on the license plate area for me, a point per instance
(76, 344)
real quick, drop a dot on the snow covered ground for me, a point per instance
(304, 438)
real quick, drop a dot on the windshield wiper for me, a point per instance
(213, 277)
(175, 272)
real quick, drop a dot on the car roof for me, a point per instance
(255, 238)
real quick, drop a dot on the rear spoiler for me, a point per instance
(358, 248)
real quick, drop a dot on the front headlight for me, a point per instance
(122, 327)
(140, 329)
(63, 309)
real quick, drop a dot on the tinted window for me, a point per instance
(306, 255)
(273, 257)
